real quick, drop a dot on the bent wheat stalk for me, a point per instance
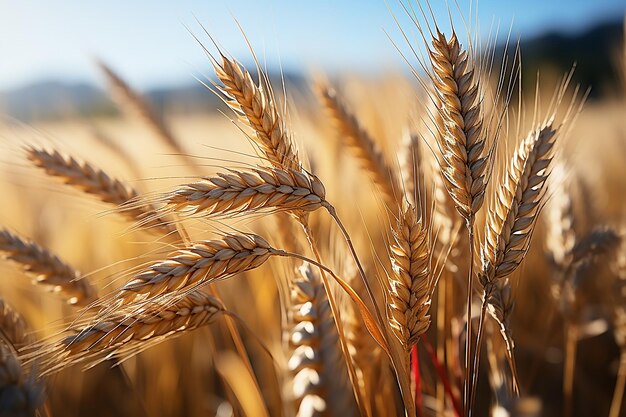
(47, 269)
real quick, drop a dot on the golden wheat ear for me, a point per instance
(199, 263)
(247, 191)
(410, 284)
(128, 331)
(256, 107)
(365, 149)
(47, 269)
(461, 138)
(91, 180)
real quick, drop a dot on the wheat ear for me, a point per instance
(461, 140)
(256, 107)
(513, 216)
(94, 181)
(511, 220)
(46, 268)
(410, 285)
(245, 191)
(320, 383)
(362, 145)
(201, 262)
(131, 330)
(13, 327)
(135, 106)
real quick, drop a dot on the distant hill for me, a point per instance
(51, 99)
(593, 50)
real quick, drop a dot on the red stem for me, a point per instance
(415, 364)
(441, 372)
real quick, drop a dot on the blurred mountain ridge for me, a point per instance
(595, 52)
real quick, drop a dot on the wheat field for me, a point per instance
(446, 243)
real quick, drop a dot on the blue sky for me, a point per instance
(148, 42)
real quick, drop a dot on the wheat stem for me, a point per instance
(571, 344)
(479, 338)
(618, 394)
(467, 383)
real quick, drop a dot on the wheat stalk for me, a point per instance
(320, 383)
(246, 191)
(47, 268)
(94, 181)
(362, 145)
